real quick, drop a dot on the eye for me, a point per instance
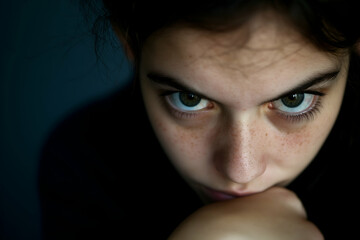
(298, 105)
(187, 102)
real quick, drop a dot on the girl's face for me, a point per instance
(241, 111)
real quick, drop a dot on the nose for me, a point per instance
(239, 154)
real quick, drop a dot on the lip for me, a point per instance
(216, 195)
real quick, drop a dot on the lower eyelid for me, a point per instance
(305, 115)
(183, 115)
(171, 104)
(198, 115)
(174, 110)
(314, 100)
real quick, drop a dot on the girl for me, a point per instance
(234, 103)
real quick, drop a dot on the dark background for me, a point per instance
(48, 68)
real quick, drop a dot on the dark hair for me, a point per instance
(328, 24)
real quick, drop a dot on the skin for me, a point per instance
(274, 214)
(240, 143)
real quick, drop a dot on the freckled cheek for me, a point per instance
(295, 143)
(185, 148)
(299, 148)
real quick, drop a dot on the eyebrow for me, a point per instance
(162, 79)
(320, 78)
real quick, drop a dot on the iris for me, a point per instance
(189, 99)
(294, 100)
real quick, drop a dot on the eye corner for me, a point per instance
(270, 105)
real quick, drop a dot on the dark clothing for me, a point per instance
(103, 174)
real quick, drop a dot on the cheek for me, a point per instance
(186, 149)
(308, 140)
(299, 148)
(179, 142)
(296, 143)
(296, 152)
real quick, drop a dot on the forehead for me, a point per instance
(264, 53)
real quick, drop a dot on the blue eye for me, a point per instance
(188, 102)
(295, 103)
(298, 106)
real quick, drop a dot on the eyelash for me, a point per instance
(179, 114)
(292, 118)
(306, 116)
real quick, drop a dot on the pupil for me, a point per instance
(189, 99)
(293, 101)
